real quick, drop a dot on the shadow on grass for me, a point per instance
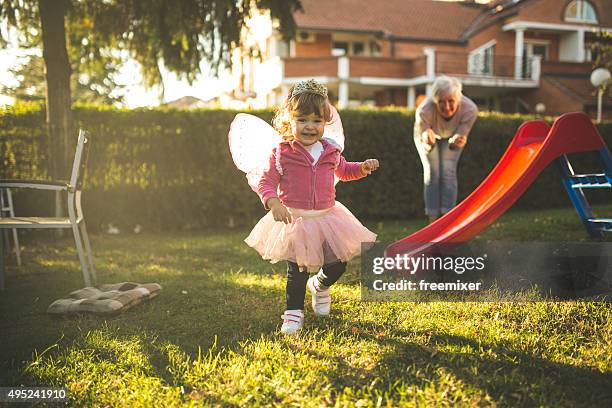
(216, 289)
(213, 308)
(510, 376)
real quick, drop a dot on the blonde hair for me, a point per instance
(302, 104)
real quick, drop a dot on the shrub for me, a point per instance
(169, 169)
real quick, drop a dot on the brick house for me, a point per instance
(510, 55)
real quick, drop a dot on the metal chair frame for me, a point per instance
(7, 209)
(75, 219)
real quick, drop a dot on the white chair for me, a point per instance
(8, 210)
(75, 219)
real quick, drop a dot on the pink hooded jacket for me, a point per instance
(296, 182)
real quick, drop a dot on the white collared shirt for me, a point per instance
(315, 150)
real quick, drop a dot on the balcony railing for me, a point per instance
(387, 67)
(308, 67)
(357, 67)
(499, 66)
(424, 67)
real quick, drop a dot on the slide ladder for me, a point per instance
(575, 184)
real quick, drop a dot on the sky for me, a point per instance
(8, 58)
(205, 87)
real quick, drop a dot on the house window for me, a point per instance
(480, 61)
(580, 11)
(530, 50)
(591, 54)
(340, 48)
(358, 48)
(375, 49)
(348, 46)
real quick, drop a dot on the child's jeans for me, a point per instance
(296, 281)
(439, 176)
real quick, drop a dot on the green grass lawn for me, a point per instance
(212, 336)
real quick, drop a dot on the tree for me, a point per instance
(31, 81)
(178, 33)
(93, 85)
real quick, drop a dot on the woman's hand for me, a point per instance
(457, 141)
(429, 139)
(279, 211)
(368, 166)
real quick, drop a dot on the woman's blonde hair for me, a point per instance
(302, 104)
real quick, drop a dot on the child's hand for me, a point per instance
(368, 166)
(279, 211)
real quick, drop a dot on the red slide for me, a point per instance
(534, 146)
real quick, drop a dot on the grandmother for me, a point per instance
(441, 128)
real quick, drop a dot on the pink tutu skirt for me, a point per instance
(313, 239)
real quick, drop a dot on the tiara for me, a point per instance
(311, 86)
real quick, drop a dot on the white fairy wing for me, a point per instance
(334, 132)
(333, 129)
(251, 141)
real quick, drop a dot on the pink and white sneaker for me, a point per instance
(293, 320)
(321, 299)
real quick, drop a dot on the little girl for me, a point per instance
(305, 225)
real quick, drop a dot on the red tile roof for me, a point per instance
(541, 11)
(418, 19)
(431, 19)
(552, 11)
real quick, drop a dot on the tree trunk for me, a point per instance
(58, 98)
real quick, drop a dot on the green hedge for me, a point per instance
(168, 169)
